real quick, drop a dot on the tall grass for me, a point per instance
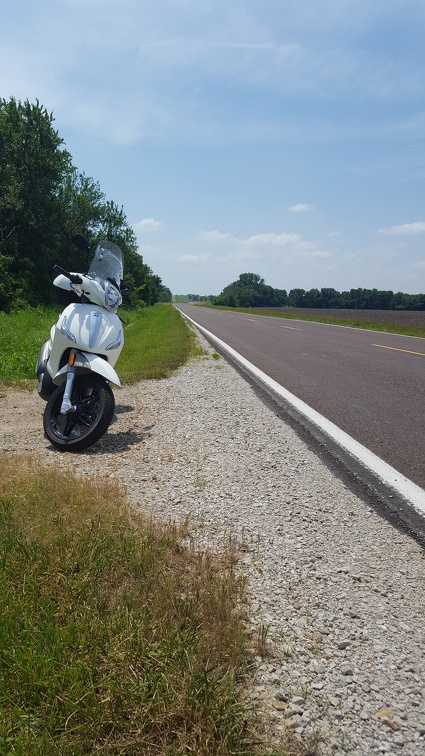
(114, 637)
(157, 341)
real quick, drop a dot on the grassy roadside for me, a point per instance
(21, 335)
(351, 322)
(157, 342)
(114, 637)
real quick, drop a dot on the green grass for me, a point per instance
(370, 325)
(157, 342)
(114, 637)
(21, 335)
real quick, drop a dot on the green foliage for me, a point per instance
(165, 294)
(22, 333)
(356, 299)
(250, 291)
(192, 297)
(33, 165)
(44, 201)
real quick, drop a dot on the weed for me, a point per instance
(261, 643)
(200, 479)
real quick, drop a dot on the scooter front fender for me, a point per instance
(86, 362)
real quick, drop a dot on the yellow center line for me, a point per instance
(394, 349)
(291, 328)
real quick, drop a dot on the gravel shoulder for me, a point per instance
(335, 590)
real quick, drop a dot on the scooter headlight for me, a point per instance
(115, 344)
(66, 332)
(113, 297)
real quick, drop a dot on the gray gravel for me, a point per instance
(336, 592)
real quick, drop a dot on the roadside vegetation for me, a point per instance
(44, 201)
(157, 341)
(117, 636)
(21, 335)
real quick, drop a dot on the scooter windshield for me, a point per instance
(107, 263)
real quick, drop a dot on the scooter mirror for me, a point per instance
(81, 242)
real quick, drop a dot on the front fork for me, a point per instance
(67, 406)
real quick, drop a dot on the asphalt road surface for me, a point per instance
(368, 383)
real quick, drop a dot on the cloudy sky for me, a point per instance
(279, 137)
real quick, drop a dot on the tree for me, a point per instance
(165, 294)
(44, 201)
(250, 281)
(296, 298)
(250, 291)
(330, 297)
(33, 166)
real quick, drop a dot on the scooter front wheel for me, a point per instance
(95, 405)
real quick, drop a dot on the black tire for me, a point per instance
(78, 430)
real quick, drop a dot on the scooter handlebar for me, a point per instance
(73, 277)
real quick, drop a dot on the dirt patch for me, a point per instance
(22, 420)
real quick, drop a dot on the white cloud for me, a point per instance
(290, 245)
(407, 228)
(273, 240)
(239, 256)
(148, 224)
(194, 258)
(300, 208)
(215, 237)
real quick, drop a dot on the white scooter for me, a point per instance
(76, 365)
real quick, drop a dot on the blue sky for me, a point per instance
(279, 137)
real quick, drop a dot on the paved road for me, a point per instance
(370, 384)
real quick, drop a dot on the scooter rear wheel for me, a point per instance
(78, 430)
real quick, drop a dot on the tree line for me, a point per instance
(192, 297)
(44, 201)
(250, 290)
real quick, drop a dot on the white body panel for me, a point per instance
(91, 330)
(86, 362)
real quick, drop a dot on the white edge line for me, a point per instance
(389, 475)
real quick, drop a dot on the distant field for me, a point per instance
(407, 322)
(394, 317)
